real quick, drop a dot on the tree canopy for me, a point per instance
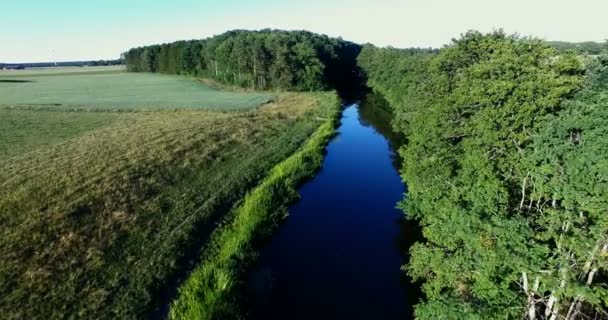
(507, 174)
(267, 59)
(587, 47)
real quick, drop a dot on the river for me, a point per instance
(339, 253)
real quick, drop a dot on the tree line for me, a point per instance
(586, 47)
(92, 63)
(260, 60)
(507, 175)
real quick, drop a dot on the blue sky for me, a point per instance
(48, 30)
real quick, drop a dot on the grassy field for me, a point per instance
(100, 210)
(111, 89)
(24, 130)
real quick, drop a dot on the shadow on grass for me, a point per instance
(15, 81)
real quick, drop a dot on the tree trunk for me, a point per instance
(523, 192)
(575, 306)
(552, 309)
(255, 71)
(531, 312)
(553, 304)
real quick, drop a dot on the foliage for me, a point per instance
(587, 47)
(111, 89)
(97, 222)
(267, 59)
(506, 175)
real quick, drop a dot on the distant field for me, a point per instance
(100, 209)
(60, 71)
(110, 89)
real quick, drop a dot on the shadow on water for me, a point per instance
(339, 253)
(376, 112)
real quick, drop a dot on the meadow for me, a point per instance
(112, 89)
(101, 211)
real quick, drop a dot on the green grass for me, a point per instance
(96, 219)
(113, 90)
(209, 291)
(23, 130)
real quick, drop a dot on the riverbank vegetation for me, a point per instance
(102, 211)
(209, 292)
(506, 168)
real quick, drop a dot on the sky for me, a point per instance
(62, 30)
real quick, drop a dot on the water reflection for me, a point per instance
(375, 111)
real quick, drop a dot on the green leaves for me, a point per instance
(506, 172)
(262, 60)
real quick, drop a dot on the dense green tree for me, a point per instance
(189, 55)
(568, 190)
(506, 171)
(267, 59)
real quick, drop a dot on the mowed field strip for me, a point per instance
(111, 89)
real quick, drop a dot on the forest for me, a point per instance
(259, 60)
(507, 174)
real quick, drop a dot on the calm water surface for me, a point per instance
(339, 253)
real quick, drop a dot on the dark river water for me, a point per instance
(339, 253)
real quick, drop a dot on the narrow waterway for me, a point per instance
(339, 253)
